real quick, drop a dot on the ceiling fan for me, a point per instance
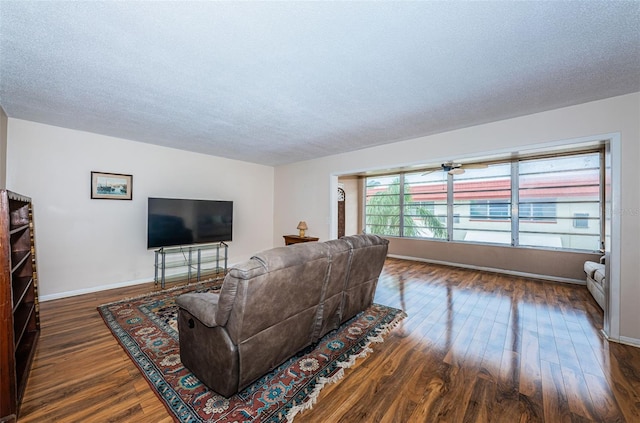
(453, 168)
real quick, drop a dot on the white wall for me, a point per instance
(305, 190)
(85, 245)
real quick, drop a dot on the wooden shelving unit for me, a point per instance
(19, 310)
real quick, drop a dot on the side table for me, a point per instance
(295, 239)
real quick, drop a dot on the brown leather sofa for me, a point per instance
(274, 305)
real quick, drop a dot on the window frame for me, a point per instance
(513, 207)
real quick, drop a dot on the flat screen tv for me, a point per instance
(172, 221)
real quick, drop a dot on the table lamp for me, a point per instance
(303, 227)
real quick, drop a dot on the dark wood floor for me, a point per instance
(476, 347)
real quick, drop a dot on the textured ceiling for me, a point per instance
(275, 83)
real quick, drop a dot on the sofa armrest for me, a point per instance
(202, 305)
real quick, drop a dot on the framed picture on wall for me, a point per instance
(111, 186)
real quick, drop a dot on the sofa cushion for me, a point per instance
(329, 313)
(243, 271)
(203, 306)
(292, 255)
(596, 280)
(591, 266)
(598, 276)
(367, 260)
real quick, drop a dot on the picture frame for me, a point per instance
(111, 186)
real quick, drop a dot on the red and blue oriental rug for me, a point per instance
(146, 327)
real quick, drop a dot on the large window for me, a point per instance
(412, 214)
(426, 205)
(482, 197)
(551, 202)
(383, 206)
(552, 191)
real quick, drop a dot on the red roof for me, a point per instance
(540, 186)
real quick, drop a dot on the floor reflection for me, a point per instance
(508, 329)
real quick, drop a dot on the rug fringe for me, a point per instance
(350, 362)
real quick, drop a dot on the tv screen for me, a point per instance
(174, 221)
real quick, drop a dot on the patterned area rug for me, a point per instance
(146, 327)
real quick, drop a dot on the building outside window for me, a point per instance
(489, 210)
(581, 220)
(543, 211)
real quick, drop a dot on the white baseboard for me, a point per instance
(43, 298)
(58, 295)
(634, 342)
(491, 269)
(98, 288)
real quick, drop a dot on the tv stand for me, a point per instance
(198, 262)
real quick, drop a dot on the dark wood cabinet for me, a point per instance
(19, 311)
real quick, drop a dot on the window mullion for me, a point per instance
(401, 229)
(515, 203)
(602, 198)
(449, 207)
